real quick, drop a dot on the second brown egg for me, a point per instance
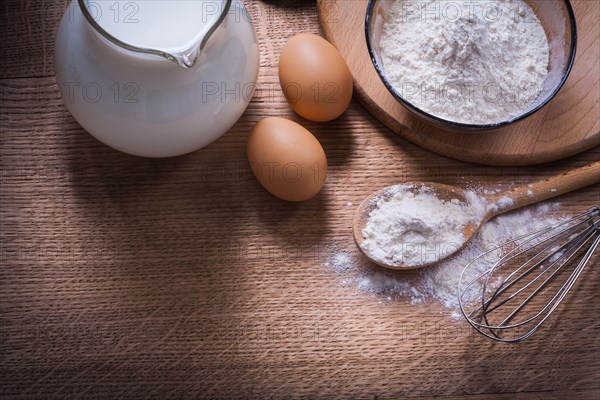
(287, 159)
(315, 78)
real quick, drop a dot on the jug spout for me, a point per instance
(136, 36)
(188, 58)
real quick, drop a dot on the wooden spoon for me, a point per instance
(522, 196)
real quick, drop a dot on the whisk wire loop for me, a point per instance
(533, 264)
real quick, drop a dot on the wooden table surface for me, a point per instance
(124, 277)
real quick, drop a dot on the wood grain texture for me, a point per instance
(569, 124)
(124, 277)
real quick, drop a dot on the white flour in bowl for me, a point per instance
(468, 61)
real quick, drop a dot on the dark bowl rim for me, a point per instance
(453, 124)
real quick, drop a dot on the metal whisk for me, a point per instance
(531, 278)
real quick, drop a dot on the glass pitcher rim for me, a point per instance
(183, 61)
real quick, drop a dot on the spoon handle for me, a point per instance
(548, 188)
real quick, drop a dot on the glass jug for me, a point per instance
(156, 78)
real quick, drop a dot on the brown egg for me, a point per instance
(314, 78)
(287, 159)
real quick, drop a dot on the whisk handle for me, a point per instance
(546, 189)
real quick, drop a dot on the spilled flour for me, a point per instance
(440, 282)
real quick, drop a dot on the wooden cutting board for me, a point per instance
(570, 124)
